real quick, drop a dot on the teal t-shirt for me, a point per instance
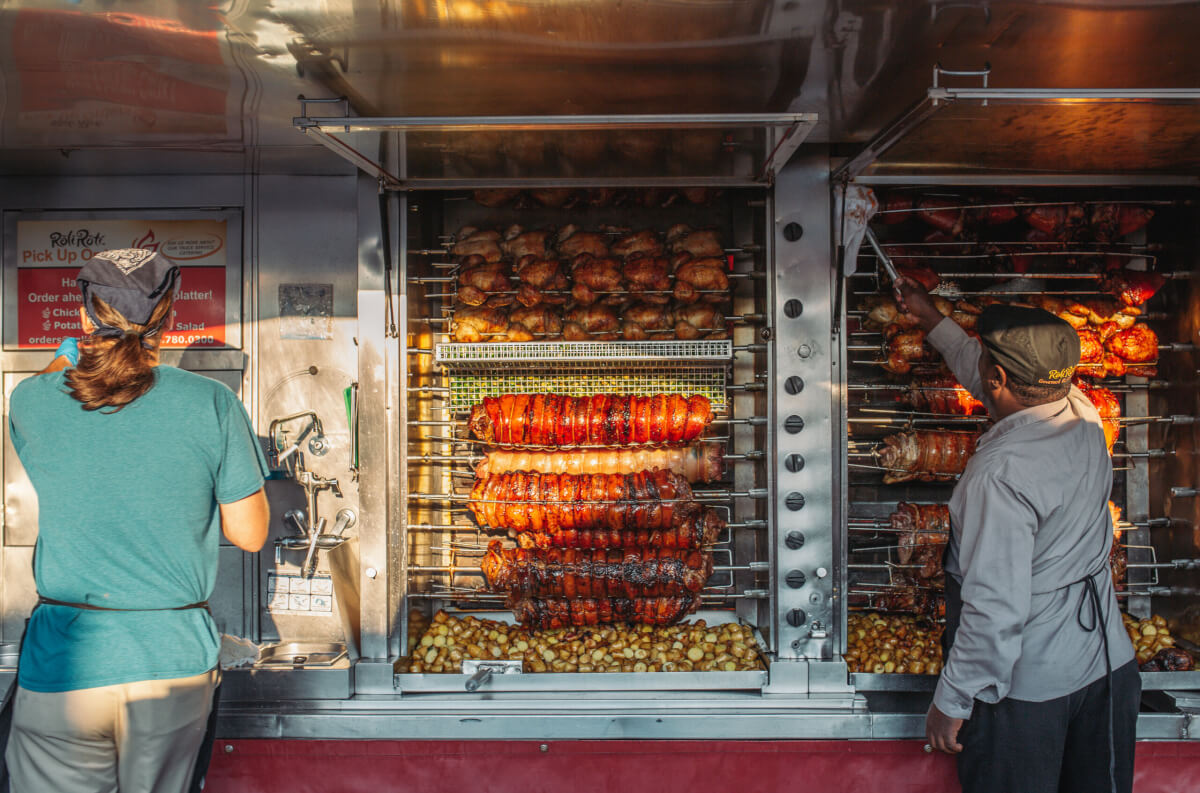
(128, 517)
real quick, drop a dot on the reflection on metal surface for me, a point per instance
(494, 150)
(1048, 133)
(189, 75)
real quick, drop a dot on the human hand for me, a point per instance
(913, 299)
(942, 731)
(68, 348)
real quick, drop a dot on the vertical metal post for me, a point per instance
(803, 530)
(372, 673)
(1137, 497)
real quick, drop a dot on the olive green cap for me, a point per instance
(1032, 345)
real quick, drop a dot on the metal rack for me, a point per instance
(446, 378)
(970, 269)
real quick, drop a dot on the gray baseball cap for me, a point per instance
(131, 280)
(1032, 345)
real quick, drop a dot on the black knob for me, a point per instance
(796, 617)
(793, 308)
(794, 463)
(793, 424)
(794, 540)
(794, 501)
(793, 232)
(795, 579)
(793, 385)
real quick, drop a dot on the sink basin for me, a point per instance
(302, 654)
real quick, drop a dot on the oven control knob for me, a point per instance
(796, 617)
(795, 579)
(794, 540)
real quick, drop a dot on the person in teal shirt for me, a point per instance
(138, 468)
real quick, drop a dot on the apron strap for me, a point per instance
(43, 600)
(1090, 601)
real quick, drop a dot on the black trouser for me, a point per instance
(1058, 746)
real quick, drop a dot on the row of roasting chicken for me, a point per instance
(633, 321)
(941, 455)
(603, 534)
(576, 285)
(1111, 343)
(535, 266)
(922, 532)
(597, 420)
(957, 219)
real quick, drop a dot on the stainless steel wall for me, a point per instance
(294, 230)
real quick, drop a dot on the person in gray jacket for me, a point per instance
(1039, 691)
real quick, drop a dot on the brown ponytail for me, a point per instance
(115, 370)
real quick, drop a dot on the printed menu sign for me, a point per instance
(50, 253)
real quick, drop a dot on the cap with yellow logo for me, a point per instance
(1032, 345)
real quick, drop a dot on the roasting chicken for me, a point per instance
(580, 573)
(924, 531)
(915, 599)
(474, 325)
(1132, 287)
(648, 278)
(1091, 348)
(479, 280)
(894, 208)
(1109, 408)
(519, 243)
(699, 462)
(942, 395)
(572, 242)
(591, 323)
(591, 276)
(695, 277)
(906, 348)
(650, 316)
(697, 244)
(697, 529)
(1113, 221)
(526, 501)
(949, 220)
(1138, 344)
(541, 281)
(473, 242)
(599, 420)
(699, 320)
(925, 455)
(642, 243)
(882, 311)
(539, 321)
(582, 612)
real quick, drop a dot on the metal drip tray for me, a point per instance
(301, 654)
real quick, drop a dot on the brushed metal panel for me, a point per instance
(20, 499)
(805, 348)
(19, 592)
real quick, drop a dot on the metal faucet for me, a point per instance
(310, 527)
(312, 539)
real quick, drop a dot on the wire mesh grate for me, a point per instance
(641, 354)
(470, 389)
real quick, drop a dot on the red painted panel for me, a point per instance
(268, 766)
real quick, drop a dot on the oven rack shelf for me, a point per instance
(486, 357)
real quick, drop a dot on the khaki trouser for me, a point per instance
(133, 738)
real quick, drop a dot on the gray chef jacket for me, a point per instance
(1029, 518)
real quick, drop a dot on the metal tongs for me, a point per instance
(946, 289)
(883, 258)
